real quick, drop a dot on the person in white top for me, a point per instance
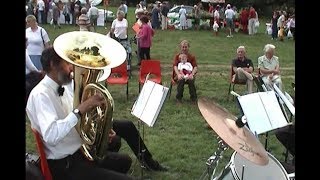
(125, 7)
(41, 10)
(51, 114)
(185, 68)
(138, 10)
(119, 27)
(281, 19)
(29, 65)
(229, 13)
(183, 17)
(270, 68)
(38, 40)
(93, 14)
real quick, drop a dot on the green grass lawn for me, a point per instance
(180, 138)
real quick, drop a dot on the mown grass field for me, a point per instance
(180, 138)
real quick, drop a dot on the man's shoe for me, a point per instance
(153, 165)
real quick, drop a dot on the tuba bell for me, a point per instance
(95, 125)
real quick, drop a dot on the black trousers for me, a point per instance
(286, 136)
(144, 53)
(192, 89)
(77, 167)
(128, 131)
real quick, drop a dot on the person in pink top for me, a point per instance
(145, 38)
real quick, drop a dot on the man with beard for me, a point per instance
(50, 110)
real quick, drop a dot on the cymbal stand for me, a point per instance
(142, 150)
(213, 160)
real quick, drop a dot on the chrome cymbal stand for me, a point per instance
(213, 160)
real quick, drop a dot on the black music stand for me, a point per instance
(147, 108)
(141, 150)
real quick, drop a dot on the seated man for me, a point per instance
(50, 111)
(51, 114)
(243, 67)
(269, 67)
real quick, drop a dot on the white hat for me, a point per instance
(228, 5)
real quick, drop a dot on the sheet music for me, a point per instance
(263, 111)
(273, 109)
(150, 101)
(142, 100)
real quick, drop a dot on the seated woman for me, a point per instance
(270, 68)
(190, 80)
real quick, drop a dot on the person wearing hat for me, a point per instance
(229, 14)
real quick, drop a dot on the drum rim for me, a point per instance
(233, 170)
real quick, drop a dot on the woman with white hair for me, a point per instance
(269, 68)
(119, 27)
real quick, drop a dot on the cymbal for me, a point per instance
(242, 140)
(109, 48)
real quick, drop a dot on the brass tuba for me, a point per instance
(94, 126)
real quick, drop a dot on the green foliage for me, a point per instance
(180, 138)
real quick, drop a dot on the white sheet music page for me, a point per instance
(142, 100)
(276, 116)
(149, 102)
(263, 111)
(255, 112)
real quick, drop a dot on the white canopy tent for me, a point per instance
(214, 1)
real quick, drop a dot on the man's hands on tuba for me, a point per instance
(91, 102)
(112, 134)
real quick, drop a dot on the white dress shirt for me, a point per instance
(51, 115)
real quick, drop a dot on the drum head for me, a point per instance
(272, 171)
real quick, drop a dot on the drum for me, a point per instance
(272, 171)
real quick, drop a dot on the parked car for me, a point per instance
(174, 12)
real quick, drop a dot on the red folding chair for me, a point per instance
(119, 76)
(43, 159)
(151, 67)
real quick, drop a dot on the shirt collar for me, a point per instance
(51, 84)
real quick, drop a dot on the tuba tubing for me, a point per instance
(94, 126)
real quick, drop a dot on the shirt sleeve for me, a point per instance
(176, 60)
(233, 63)
(41, 111)
(45, 35)
(260, 63)
(251, 64)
